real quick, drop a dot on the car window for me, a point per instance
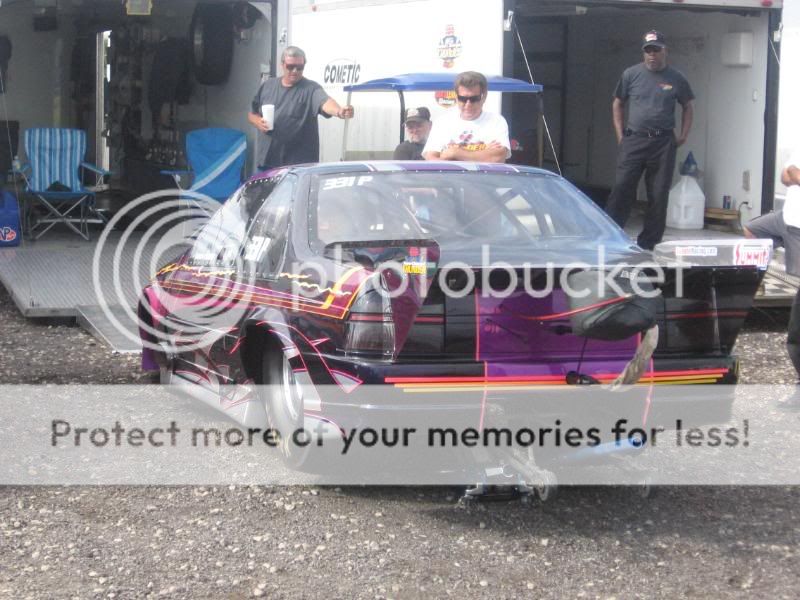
(219, 242)
(352, 208)
(453, 208)
(267, 238)
(545, 210)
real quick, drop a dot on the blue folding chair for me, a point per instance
(56, 158)
(216, 158)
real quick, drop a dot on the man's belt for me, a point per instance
(650, 133)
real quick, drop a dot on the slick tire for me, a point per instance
(283, 401)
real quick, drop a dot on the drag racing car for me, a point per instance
(348, 295)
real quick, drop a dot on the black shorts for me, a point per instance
(773, 226)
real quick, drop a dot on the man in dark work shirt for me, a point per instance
(648, 143)
(293, 138)
(418, 126)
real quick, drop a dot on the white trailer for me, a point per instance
(728, 49)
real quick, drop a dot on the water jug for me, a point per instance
(687, 205)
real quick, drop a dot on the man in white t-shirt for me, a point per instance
(784, 228)
(473, 134)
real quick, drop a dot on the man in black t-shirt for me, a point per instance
(648, 143)
(293, 136)
(418, 126)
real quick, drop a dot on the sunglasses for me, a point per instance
(294, 67)
(652, 50)
(473, 99)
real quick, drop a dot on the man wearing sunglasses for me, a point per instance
(648, 144)
(295, 101)
(473, 134)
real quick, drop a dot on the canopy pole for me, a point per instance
(540, 131)
(344, 133)
(402, 116)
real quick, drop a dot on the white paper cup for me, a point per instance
(268, 114)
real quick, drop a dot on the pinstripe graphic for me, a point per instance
(337, 287)
(522, 383)
(548, 378)
(336, 304)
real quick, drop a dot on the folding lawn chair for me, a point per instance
(56, 158)
(216, 157)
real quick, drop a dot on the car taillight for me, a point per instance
(370, 326)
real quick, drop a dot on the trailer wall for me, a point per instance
(37, 79)
(381, 39)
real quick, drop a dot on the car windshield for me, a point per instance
(454, 208)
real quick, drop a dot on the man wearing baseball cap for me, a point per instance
(648, 143)
(418, 126)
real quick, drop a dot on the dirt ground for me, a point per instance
(372, 542)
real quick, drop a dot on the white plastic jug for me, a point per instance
(687, 204)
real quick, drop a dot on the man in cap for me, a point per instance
(648, 143)
(418, 126)
(472, 134)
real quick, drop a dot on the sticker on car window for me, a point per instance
(416, 262)
(335, 183)
(256, 247)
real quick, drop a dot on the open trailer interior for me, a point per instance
(578, 50)
(135, 75)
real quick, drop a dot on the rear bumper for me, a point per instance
(676, 389)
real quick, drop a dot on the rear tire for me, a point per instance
(284, 404)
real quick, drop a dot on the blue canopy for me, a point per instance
(432, 82)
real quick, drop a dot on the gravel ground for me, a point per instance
(288, 542)
(51, 351)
